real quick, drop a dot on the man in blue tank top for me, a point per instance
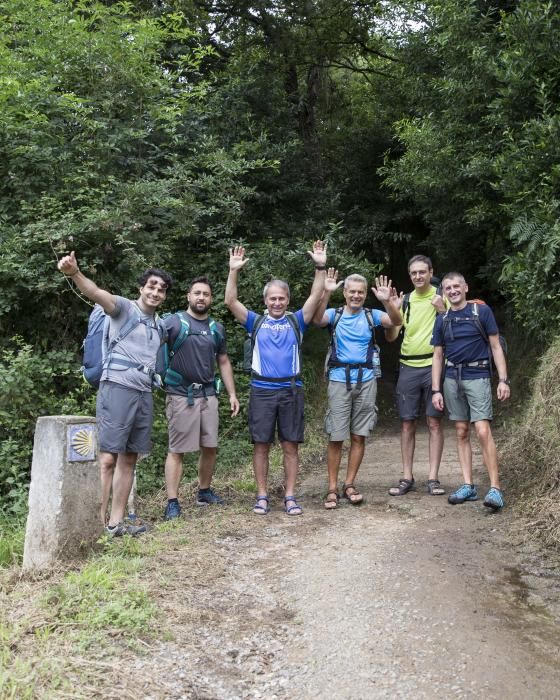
(276, 399)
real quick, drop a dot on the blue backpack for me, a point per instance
(98, 351)
(170, 376)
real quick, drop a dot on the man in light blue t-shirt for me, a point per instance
(276, 399)
(352, 371)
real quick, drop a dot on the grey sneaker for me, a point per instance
(121, 529)
(208, 497)
(466, 492)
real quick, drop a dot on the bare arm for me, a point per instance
(319, 257)
(226, 370)
(503, 390)
(68, 265)
(237, 260)
(330, 284)
(437, 369)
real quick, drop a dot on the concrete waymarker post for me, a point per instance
(65, 491)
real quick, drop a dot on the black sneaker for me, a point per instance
(172, 510)
(121, 529)
(207, 497)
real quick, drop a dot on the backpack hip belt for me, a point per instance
(123, 364)
(426, 356)
(458, 366)
(360, 366)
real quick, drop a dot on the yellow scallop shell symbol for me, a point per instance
(82, 442)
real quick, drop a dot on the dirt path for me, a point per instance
(399, 598)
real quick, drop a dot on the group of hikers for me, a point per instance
(449, 346)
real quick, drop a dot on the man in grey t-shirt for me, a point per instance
(124, 400)
(192, 405)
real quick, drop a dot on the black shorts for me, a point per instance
(269, 408)
(414, 393)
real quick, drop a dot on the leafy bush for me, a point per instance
(34, 383)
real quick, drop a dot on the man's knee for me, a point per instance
(408, 427)
(434, 425)
(462, 431)
(357, 440)
(290, 448)
(483, 430)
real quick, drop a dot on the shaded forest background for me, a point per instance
(161, 133)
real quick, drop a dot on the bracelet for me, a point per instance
(504, 381)
(320, 267)
(72, 275)
(436, 391)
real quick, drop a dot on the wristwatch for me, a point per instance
(320, 267)
(505, 380)
(436, 391)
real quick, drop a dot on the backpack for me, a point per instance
(478, 323)
(373, 352)
(249, 347)
(171, 377)
(98, 351)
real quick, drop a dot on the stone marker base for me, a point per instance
(65, 491)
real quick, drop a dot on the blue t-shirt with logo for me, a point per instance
(353, 336)
(276, 351)
(463, 341)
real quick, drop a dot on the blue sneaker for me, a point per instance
(466, 492)
(494, 499)
(207, 497)
(172, 510)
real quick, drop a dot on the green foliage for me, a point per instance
(104, 594)
(35, 383)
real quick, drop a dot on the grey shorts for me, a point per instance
(272, 408)
(414, 393)
(124, 419)
(468, 400)
(351, 411)
(191, 427)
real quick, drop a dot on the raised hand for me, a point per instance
(396, 299)
(237, 258)
(319, 253)
(330, 283)
(68, 265)
(382, 289)
(438, 303)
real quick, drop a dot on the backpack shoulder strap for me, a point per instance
(132, 322)
(184, 331)
(371, 324)
(406, 307)
(292, 320)
(478, 322)
(214, 329)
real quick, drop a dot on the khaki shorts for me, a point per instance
(351, 411)
(468, 400)
(191, 427)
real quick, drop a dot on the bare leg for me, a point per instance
(122, 483)
(435, 445)
(464, 450)
(489, 452)
(291, 465)
(355, 457)
(173, 473)
(260, 466)
(206, 464)
(334, 455)
(408, 443)
(107, 462)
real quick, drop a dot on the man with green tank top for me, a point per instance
(418, 311)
